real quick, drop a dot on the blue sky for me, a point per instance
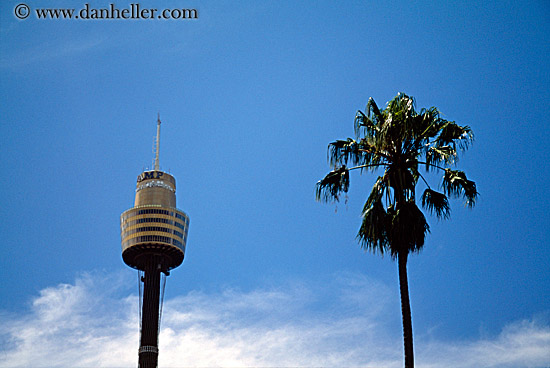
(250, 94)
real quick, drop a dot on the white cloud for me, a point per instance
(88, 324)
(520, 344)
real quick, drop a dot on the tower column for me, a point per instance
(148, 347)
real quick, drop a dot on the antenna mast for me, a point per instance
(158, 144)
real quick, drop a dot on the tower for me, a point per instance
(154, 234)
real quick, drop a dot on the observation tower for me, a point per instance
(154, 234)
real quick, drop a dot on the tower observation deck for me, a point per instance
(154, 235)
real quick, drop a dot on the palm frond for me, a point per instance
(373, 109)
(372, 233)
(368, 123)
(371, 155)
(457, 185)
(407, 228)
(436, 203)
(400, 178)
(364, 124)
(402, 108)
(430, 123)
(425, 126)
(334, 183)
(435, 155)
(377, 193)
(455, 135)
(413, 168)
(340, 152)
(402, 103)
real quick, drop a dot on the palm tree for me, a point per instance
(399, 140)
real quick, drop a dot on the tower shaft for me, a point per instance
(148, 347)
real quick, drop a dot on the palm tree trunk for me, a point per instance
(406, 310)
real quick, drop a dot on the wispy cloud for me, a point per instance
(520, 344)
(88, 324)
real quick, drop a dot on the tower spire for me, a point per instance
(157, 168)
